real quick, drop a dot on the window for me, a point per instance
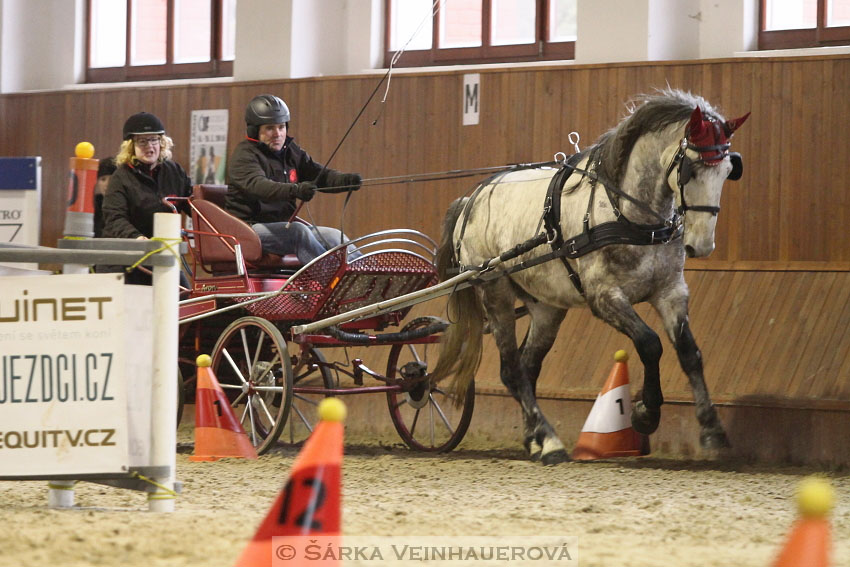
(804, 23)
(447, 32)
(160, 39)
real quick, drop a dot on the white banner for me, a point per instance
(63, 399)
(207, 146)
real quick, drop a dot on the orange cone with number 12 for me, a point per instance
(608, 432)
(218, 433)
(307, 512)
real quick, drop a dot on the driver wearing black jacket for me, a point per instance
(268, 171)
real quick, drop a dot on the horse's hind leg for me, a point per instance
(615, 309)
(673, 309)
(542, 332)
(498, 298)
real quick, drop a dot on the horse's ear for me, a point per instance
(695, 124)
(731, 125)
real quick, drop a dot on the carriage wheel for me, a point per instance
(252, 365)
(425, 415)
(309, 369)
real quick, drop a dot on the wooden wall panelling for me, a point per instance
(794, 158)
(763, 333)
(822, 317)
(835, 118)
(730, 368)
(797, 308)
(786, 164)
(838, 341)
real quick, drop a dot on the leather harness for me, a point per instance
(619, 231)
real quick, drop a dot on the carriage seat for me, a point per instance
(208, 215)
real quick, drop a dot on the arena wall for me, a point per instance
(769, 308)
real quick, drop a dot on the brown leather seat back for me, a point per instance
(209, 217)
(215, 193)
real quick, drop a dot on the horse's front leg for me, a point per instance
(673, 309)
(614, 308)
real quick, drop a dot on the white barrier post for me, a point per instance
(166, 282)
(60, 494)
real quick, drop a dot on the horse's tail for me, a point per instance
(460, 352)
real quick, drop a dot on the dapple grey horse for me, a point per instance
(635, 204)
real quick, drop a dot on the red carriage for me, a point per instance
(243, 305)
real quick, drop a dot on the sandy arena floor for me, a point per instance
(632, 512)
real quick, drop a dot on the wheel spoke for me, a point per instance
(415, 353)
(256, 359)
(413, 425)
(233, 365)
(247, 352)
(431, 422)
(442, 415)
(235, 402)
(250, 405)
(305, 399)
(303, 418)
(265, 410)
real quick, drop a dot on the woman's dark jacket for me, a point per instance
(134, 195)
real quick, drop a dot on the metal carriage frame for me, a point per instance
(243, 305)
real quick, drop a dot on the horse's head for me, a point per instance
(696, 169)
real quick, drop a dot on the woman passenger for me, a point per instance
(145, 174)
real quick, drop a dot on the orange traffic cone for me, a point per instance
(218, 433)
(808, 542)
(608, 432)
(307, 513)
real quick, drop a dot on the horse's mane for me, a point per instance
(652, 113)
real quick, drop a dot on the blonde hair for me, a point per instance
(127, 153)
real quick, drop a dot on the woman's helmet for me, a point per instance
(143, 123)
(265, 109)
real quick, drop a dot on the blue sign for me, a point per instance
(18, 173)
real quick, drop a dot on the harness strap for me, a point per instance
(552, 214)
(466, 210)
(468, 207)
(620, 231)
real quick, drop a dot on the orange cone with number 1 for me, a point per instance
(307, 512)
(218, 433)
(608, 430)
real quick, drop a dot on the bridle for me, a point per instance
(685, 169)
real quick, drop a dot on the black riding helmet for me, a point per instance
(143, 123)
(265, 109)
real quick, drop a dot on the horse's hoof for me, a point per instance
(555, 457)
(644, 419)
(714, 440)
